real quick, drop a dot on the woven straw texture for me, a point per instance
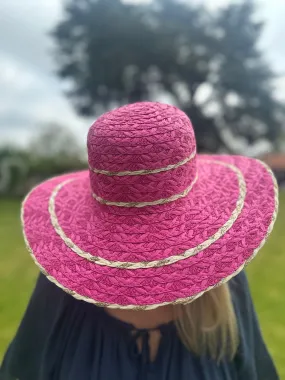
(151, 222)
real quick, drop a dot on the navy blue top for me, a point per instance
(61, 338)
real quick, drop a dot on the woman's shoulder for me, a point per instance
(243, 305)
(253, 360)
(240, 290)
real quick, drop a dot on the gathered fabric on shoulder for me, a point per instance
(61, 338)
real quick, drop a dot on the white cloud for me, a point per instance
(24, 30)
(30, 93)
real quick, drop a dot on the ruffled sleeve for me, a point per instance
(26, 351)
(253, 360)
(61, 338)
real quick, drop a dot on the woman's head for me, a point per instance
(161, 218)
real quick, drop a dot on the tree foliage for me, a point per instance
(57, 142)
(208, 64)
(53, 151)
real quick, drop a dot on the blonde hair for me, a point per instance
(208, 325)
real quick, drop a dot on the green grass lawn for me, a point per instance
(266, 275)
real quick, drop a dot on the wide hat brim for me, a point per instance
(142, 258)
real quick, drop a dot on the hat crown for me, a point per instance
(143, 152)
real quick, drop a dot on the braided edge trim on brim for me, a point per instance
(177, 301)
(155, 263)
(144, 171)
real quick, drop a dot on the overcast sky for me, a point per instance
(31, 94)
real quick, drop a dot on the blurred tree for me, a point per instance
(208, 64)
(55, 141)
(13, 170)
(55, 150)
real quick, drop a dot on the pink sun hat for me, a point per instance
(151, 222)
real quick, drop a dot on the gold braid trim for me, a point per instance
(145, 171)
(144, 204)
